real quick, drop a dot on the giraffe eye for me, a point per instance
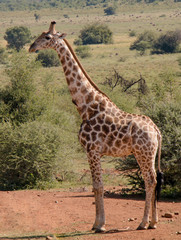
(48, 38)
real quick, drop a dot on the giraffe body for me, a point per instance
(105, 129)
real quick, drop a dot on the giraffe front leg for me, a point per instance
(99, 225)
(96, 171)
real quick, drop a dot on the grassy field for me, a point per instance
(105, 58)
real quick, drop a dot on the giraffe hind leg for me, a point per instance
(149, 177)
(155, 198)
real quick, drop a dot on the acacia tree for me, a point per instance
(17, 37)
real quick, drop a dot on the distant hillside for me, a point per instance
(13, 5)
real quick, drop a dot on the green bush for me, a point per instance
(144, 41)
(167, 43)
(96, 34)
(83, 51)
(110, 11)
(27, 155)
(48, 58)
(19, 102)
(17, 37)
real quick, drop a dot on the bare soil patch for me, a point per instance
(35, 214)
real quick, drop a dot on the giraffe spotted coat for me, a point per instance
(105, 129)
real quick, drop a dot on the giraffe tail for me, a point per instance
(160, 179)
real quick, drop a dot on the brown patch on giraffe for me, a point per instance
(110, 140)
(97, 128)
(100, 118)
(73, 90)
(115, 133)
(110, 104)
(70, 64)
(65, 68)
(78, 84)
(139, 132)
(67, 55)
(113, 127)
(88, 147)
(105, 129)
(108, 120)
(118, 143)
(87, 137)
(87, 128)
(124, 129)
(148, 144)
(98, 98)
(139, 142)
(102, 106)
(79, 77)
(63, 60)
(145, 135)
(94, 136)
(62, 50)
(75, 68)
(91, 113)
(70, 80)
(82, 141)
(126, 139)
(134, 128)
(83, 90)
(92, 121)
(120, 135)
(89, 98)
(94, 106)
(114, 110)
(102, 136)
(116, 120)
(122, 122)
(68, 72)
(137, 147)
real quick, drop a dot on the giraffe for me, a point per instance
(107, 130)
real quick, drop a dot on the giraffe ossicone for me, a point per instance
(105, 129)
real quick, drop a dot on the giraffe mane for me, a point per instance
(81, 67)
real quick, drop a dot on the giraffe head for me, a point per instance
(47, 39)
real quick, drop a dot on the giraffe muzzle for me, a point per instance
(32, 48)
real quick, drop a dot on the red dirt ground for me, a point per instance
(70, 215)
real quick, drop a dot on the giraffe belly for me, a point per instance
(117, 147)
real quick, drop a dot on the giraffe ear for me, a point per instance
(62, 36)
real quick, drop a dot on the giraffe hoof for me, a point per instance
(152, 227)
(141, 228)
(99, 230)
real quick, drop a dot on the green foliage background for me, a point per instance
(36, 108)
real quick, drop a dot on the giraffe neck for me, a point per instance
(85, 94)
